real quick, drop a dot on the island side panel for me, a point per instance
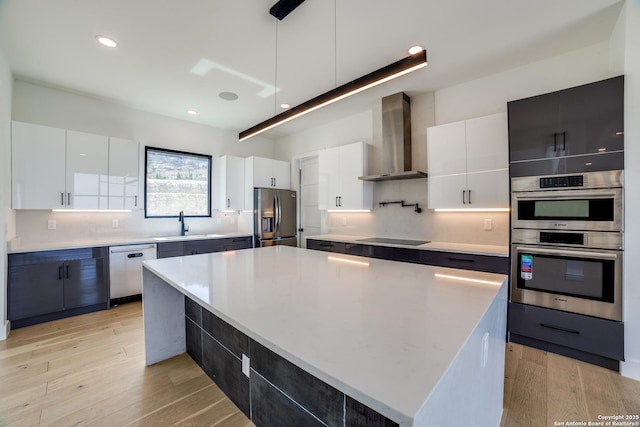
(164, 319)
(476, 376)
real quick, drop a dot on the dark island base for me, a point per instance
(277, 392)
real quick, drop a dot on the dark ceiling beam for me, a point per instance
(284, 7)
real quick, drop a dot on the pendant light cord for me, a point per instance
(275, 82)
(335, 43)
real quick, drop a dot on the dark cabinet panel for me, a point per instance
(34, 289)
(590, 334)
(170, 249)
(85, 283)
(325, 245)
(490, 264)
(46, 285)
(195, 247)
(587, 119)
(235, 243)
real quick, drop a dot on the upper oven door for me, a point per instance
(593, 210)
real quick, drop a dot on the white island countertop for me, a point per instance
(383, 332)
(466, 248)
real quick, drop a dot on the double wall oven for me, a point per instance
(567, 242)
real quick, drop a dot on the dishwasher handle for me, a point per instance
(117, 250)
(136, 255)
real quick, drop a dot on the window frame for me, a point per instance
(209, 159)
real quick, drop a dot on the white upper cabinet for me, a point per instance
(339, 186)
(57, 169)
(267, 173)
(228, 184)
(37, 167)
(469, 164)
(260, 172)
(124, 174)
(87, 183)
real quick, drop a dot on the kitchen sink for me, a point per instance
(394, 241)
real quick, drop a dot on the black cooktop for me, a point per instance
(394, 241)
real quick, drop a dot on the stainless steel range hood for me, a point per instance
(396, 140)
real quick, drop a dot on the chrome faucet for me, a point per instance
(183, 227)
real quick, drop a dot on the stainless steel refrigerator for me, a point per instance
(275, 217)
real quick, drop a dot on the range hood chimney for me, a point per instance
(396, 140)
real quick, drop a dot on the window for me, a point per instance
(176, 181)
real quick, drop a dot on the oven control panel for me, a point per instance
(562, 181)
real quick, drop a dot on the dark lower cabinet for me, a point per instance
(277, 392)
(50, 285)
(593, 340)
(195, 247)
(488, 263)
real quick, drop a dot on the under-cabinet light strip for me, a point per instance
(91, 210)
(474, 210)
(382, 75)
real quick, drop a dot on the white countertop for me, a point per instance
(381, 331)
(16, 246)
(467, 248)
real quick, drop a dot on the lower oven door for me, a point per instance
(584, 281)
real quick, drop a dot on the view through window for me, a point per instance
(177, 181)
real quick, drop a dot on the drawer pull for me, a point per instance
(557, 328)
(460, 259)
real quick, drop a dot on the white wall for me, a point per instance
(6, 215)
(475, 98)
(631, 310)
(52, 107)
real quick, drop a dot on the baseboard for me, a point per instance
(630, 369)
(4, 330)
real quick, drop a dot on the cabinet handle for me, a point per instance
(564, 141)
(464, 193)
(62, 199)
(469, 198)
(555, 147)
(60, 272)
(275, 183)
(558, 328)
(228, 202)
(336, 201)
(69, 199)
(135, 201)
(66, 272)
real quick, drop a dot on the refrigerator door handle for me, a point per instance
(276, 213)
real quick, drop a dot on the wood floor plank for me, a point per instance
(566, 397)
(89, 370)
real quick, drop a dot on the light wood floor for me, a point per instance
(544, 388)
(89, 370)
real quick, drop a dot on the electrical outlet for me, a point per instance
(51, 224)
(484, 356)
(488, 225)
(246, 365)
(115, 223)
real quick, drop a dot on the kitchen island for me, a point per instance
(330, 337)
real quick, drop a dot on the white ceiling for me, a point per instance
(320, 45)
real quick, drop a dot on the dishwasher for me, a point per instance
(125, 271)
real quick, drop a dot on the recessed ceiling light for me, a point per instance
(106, 41)
(192, 112)
(415, 49)
(285, 105)
(228, 96)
